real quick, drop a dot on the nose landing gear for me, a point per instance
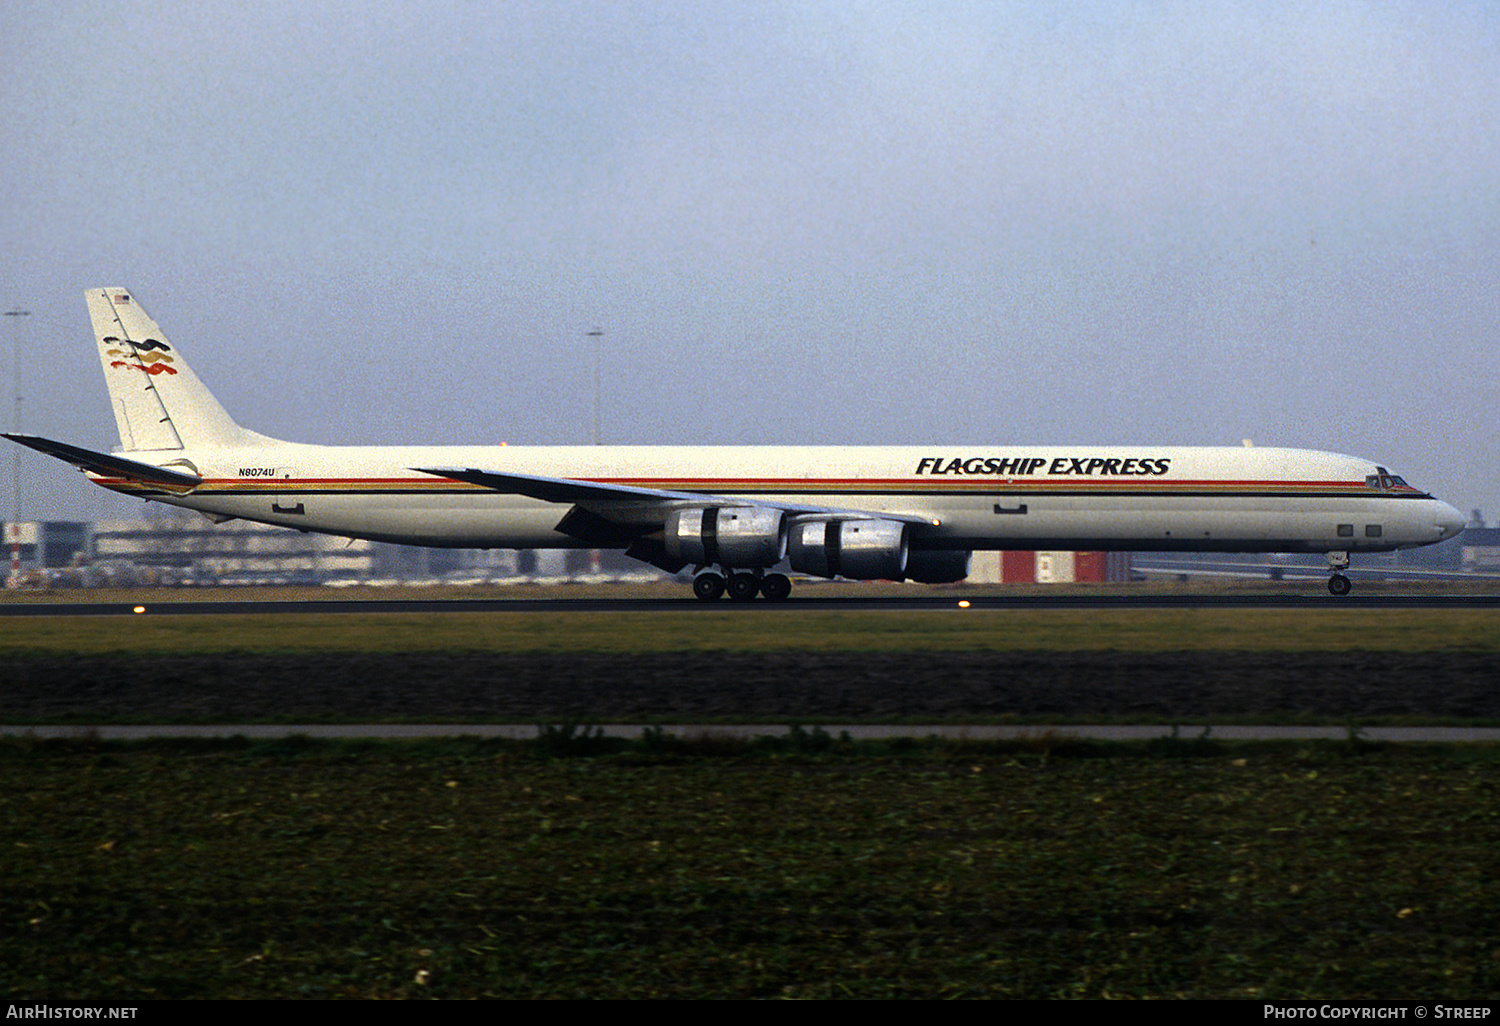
(1338, 584)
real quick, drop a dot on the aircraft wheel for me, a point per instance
(743, 587)
(776, 587)
(708, 587)
(1338, 584)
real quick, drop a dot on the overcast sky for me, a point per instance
(843, 223)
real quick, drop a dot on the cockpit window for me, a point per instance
(1385, 479)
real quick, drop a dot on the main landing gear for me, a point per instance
(742, 586)
(1338, 584)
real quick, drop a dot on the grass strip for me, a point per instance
(808, 867)
(736, 630)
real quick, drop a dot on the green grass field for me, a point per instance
(802, 867)
(806, 868)
(739, 630)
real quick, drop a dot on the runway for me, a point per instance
(855, 731)
(893, 604)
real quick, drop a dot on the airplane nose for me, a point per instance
(1448, 521)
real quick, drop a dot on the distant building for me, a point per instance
(193, 550)
(1480, 548)
(46, 543)
(1023, 567)
(187, 548)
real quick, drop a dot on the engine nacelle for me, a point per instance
(938, 566)
(862, 550)
(746, 537)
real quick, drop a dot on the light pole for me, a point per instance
(14, 528)
(596, 335)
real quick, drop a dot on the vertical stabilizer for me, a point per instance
(159, 402)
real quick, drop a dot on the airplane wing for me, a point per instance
(607, 514)
(562, 489)
(631, 504)
(110, 466)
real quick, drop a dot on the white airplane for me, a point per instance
(736, 514)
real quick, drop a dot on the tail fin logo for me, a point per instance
(142, 356)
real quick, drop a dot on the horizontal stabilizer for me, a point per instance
(107, 465)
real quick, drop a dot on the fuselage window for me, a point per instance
(1372, 530)
(1346, 530)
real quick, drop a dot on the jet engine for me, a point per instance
(731, 536)
(938, 566)
(861, 550)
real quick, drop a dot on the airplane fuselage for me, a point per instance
(1109, 498)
